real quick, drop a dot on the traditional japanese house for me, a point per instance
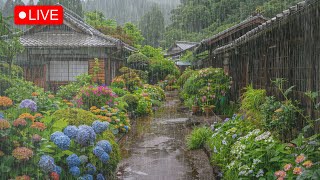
(287, 46)
(55, 55)
(223, 38)
(178, 49)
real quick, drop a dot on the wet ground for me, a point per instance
(155, 149)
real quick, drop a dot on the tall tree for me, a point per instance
(8, 8)
(134, 32)
(18, 2)
(47, 2)
(152, 26)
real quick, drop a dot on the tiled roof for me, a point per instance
(88, 37)
(258, 19)
(63, 39)
(183, 45)
(268, 25)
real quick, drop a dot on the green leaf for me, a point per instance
(275, 159)
(288, 90)
(67, 152)
(60, 125)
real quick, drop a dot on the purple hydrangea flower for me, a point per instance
(106, 146)
(46, 163)
(99, 126)
(71, 131)
(91, 169)
(100, 177)
(63, 142)
(29, 104)
(73, 160)
(227, 119)
(98, 151)
(74, 171)
(104, 158)
(86, 135)
(55, 134)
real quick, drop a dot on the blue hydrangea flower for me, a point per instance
(1, 115)
(73, 160)
(91, 169)
(58, 170)
(63, 142)
(46, 163)
(99, 126)
(127, 128)
(100, 177)
(74, 171)
(98, 151)
(106, 146)
(86, 135)
(83, 159)
(86, 177)
(104, 157)
(55, 134)
(71, 131)
(29, 104)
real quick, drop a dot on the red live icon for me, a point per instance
(38, 15)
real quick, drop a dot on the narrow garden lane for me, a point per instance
(155, 149)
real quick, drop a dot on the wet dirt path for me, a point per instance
(155, 149)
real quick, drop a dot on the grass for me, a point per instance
(198, 137)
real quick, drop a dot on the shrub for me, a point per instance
(154, 92)
(70, 91)
(198, 137)
(131, 78)
(211, 85)
(21, 89)
(132, 101)
(144, 107)
(118, 82)
(95, 96)
(160, 68)
(119, 92)
(252, 99)
(138, 61)
(75, 116)
(183, 78)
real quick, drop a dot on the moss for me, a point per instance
(75, 116)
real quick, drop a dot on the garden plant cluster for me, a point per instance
(262, 140)
(73, 133)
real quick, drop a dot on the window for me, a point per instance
(67, 70)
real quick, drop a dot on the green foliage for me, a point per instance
(97, 19)
(20, 90)
(138, 61)
(9, 50)
(144, 107)
(198, 137)
(120, 92)
(210, 85)
(70, 91)
(151, 52)
(251, 101)
(74, 116)
(16, 71)
(133, 31)
(132, 101)
(185, 76)
(132, 78)
(161, 68)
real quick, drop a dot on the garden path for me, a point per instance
(155, 149)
